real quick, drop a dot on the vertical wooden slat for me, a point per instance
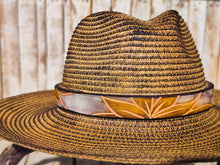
(80, 9)
(74, 11)
(196, 23)
(9, 49)
(0, 52)
(55, 48)
(217, 85)
(0, 71)
(141, 9)
(100, 5)
(123, 6)
(28, 45)
(211, 42)
(182, 7)
(41, 44)
(159, 6)
(67, 24)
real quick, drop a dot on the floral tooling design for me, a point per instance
(131, 107)
(144, 108)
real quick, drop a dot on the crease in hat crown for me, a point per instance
(111, 53)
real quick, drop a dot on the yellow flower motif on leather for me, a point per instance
(144, 108)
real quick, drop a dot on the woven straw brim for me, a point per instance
(34, 121)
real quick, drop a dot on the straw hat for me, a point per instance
(132, 92)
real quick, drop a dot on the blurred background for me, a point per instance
(34, 38)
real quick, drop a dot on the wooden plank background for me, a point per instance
(34, 38)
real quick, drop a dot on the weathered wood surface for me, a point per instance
(141, 9)
(123, 6)
(54, 23)
(158, 6)
(211, 51)
(35, 35)
(197, 22)
(100, 5)
(10, 60)
(41, 44)
(74, 11)
(182, 7)
(27, 45)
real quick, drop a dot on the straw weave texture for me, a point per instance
(33, 121)
(113, 53)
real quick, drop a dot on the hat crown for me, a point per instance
(111, 53)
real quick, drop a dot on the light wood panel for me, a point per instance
(182, 7)
(141, 9)
(28, 45)
(68, 24)
(55, 49)
(210, 53)
(196, 23)
(1, 15)
(158, 6)
(41, 44)
(11, 75)
(123, 6)
(100, 5)
(80, 9)
(74, 11)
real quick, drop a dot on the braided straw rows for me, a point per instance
(32, 121)
(113, 53)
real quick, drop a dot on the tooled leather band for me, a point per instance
(152, 107)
